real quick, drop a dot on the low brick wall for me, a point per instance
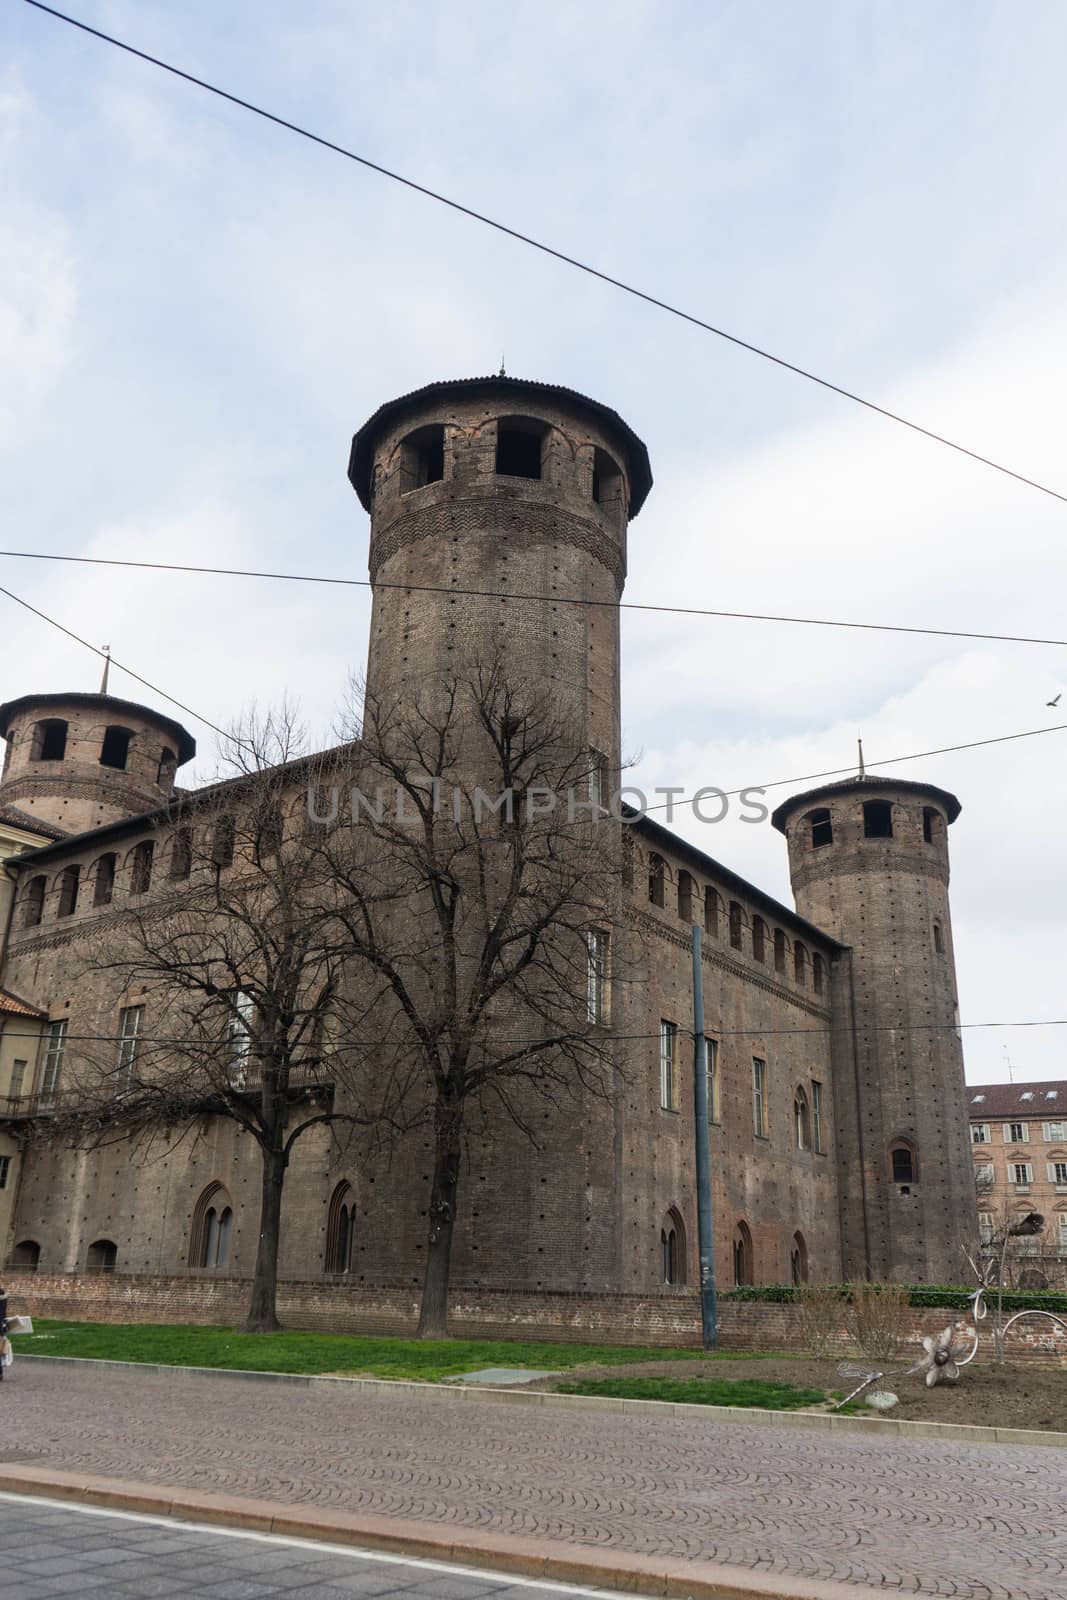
(670, 1318)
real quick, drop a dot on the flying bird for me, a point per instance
(1056, 701)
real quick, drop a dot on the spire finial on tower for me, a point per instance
(501, 373)
(107, 667)
(863, 772)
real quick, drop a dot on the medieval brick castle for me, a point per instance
(839, 1137)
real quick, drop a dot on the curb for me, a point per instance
(890, 1427)
(550, 1560)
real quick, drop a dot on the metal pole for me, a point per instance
(705, 1237)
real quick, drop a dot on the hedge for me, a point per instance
(950, 1297)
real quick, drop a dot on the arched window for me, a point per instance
(685, 897)
(800, 962)
(49, 740)
(711, 912)
(340, 1229)
(822, 827)
(607, 478)
(104, 879)
(802, 1119)
(115, 749)
(657, 872)
(168, 766)
(222, 847)
(181, 853)
(209, 1243)
(939, 939)
(269, 826)
(69, 879)
(422, 457)
(877, 819)
(818, 972)
(743, 1263)
(798, 1259)
(903, 1162)
(736, 924)
(779, 950)
(26, 1254)
(520, 444)
(101, 1256)
(672, 1248)
(33, 904)
(759, 938)
(141, 876)
(932, 825)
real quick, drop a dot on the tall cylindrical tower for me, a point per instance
(81, 760)
(869, 863)
(492, 500)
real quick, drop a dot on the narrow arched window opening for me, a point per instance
(822, 827)
(422, 457)
(742, 1252)
(657, 873)
(209, 1243)
(711, 913)
(69, 880)
(736, 924)
(115, 749)
(168, 766)
(685, 897)
(141, 876)
(903, 1162)
(939, 939)
(33, 905)
(607, 478)
(340, 1229)
(779, 950)
(798, 1259)
(104, 879)
(800, 963)
(877, 819)
(818, 973)
(672, 1249)
(759, 939)
(49, 740)
(520, 443)
(181, 853)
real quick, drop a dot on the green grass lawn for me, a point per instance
(764, 1396)
(293, 1351)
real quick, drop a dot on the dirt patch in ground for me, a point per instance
(998, 1397)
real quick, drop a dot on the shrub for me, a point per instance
(880, 1319)
(821, 1307)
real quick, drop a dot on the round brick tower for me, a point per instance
(520, 492)
(869, 863)
(82, 760)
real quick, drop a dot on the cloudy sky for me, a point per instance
(197, 310)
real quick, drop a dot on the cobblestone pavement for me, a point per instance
(49, 1553)
(982, 1522)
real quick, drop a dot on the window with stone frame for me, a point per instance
(1016, 1133)
(759, 1097)
(131, 1024)
(1057, 1173)
(816, 1116)
(1021, 1173)
(980, 1133)
(597, 991)
(711, 1047)
(55, 1037)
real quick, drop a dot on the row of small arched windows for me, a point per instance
(521, 446)
(49, 743)
(877, 823)
(103, 874)
(673, 1253)
(764, 943)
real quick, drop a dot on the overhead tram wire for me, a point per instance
(548, 250)
(507, 594)
(679, 801)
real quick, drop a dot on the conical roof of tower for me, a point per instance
(638, 467)
(858, 785)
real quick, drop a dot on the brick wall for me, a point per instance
(665, 1318)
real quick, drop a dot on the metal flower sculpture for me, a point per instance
(944, 1356)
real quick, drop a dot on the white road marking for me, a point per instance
(176, 1524)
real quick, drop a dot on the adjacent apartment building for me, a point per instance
(1019, 1142)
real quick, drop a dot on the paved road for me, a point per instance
(980, 1522)
(51, 1552)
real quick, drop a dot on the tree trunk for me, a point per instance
(262, 1312)
(433, 1314)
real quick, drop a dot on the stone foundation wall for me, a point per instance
(664, 1319)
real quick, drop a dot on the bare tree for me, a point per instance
(232, 939)
(477, 879)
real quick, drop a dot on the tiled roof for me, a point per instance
(12, 1006)
(21, 819)
(988, 1101)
